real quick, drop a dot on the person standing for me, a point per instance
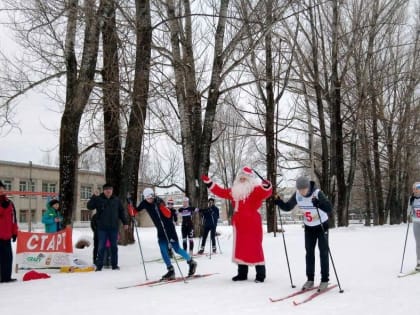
(210, 217)
(247, 195)
(8, 233)
(52, 217)
(413, 212)
(312, 201)
(167, 238)
(187, 225)
(109, 210)
(107, 253)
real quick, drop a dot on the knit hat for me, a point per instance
(53, 202)
(148, 193)
(302, 182)
(170, 201)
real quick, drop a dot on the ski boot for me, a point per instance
(170, 275)
(307, 285)
(193, 267)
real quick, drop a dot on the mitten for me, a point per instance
(315, 202)
(266, 183)
(14, 238)
(206, 180)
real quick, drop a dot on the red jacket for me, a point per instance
(8, 223)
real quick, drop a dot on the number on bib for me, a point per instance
(308, 216)
(417, 213)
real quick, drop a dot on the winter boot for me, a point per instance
(307, 285)
(170, 275)
(214, 249)
(323, 286)
(201, 251)
(260, 269)
(193, 267)
(242, 273)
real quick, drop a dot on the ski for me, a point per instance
(410, 273)
(161, 282)
(299, 292)
(180, 279)
(314, 295)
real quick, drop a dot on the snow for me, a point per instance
(367, 260)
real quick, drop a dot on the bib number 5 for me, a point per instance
(309, 217)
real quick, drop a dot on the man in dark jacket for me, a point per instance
(210, 217)
(108, 210)
(8, 232)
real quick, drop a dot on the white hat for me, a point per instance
(148, 192)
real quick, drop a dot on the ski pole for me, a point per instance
(405, 245)
(285, 250)
(329, 251)
(138, 241)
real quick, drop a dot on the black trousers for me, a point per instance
(212, 231)
(6, 260)
(312, 235)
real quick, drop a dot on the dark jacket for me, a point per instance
(324, 203)
(108, 211)
(210, 216)
(162, 222)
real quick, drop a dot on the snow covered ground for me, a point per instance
(367, 261)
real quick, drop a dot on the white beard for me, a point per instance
(241, 191)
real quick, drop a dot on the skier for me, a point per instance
(312, 201)
(210, 216)
(247, 195)
(167, 237)
(187, 226)
(413, 212)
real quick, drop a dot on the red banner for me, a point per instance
(44, 249)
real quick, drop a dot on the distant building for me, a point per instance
(38, 180)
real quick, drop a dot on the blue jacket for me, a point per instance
(48, 218)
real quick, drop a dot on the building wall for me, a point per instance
(17, 177)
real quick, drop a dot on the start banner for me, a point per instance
(43, 250)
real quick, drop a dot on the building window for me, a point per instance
(24, 218)
(85, 215)
(85, 192)
(25, 185)
(48, 188)
(7, 184)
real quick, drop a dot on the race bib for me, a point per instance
(416, 212)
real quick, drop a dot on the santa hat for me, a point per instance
(246, 171)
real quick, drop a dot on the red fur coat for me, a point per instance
(247, 225)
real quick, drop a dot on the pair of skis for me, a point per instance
(306, 299)
(154, 283)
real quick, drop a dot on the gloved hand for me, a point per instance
(266, 183)
(315, 202)
(206, 180)
(14, 238)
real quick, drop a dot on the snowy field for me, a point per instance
(367, 261)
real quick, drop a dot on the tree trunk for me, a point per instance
(79, 87)
(111, 97)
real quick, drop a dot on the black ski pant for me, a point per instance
(312, 235)
(212, 231)
(6, 260)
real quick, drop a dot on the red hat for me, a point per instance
(170, 200)
(34, 275)
(246, 171)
